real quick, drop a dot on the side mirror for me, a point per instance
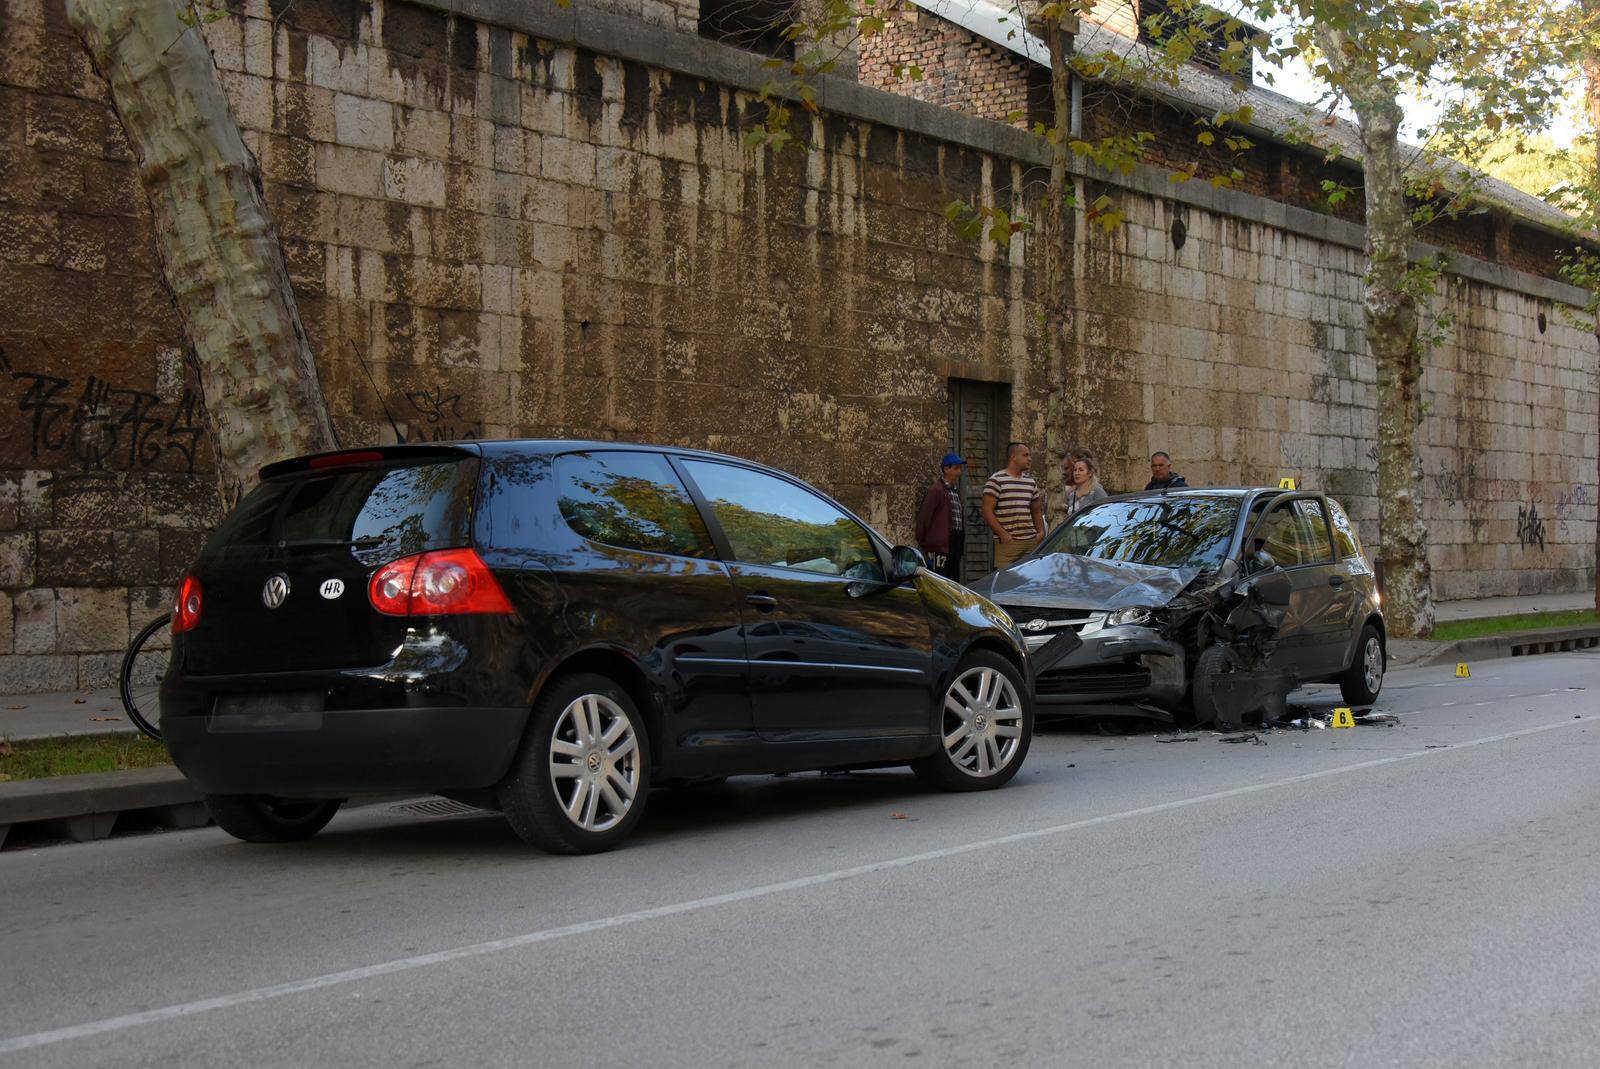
(1261, 561)
(904, 563)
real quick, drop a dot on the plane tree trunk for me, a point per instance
(217, 243)
(1391, 314)
(1591, 73)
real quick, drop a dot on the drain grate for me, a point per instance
(436, 807)
(1564, 645)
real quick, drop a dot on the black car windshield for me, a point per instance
(1171, 532)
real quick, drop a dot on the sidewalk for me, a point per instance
(1476, 608)
(99, 712)
(73, 712)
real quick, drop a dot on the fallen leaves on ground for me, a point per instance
(897, 816)
(105, 718)
(16, 707)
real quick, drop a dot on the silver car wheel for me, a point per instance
(982, 724)
(1372, 664)
(594, 762)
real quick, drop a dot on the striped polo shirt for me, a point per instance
(1013, 505)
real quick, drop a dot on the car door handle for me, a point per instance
(763, 602)
(1336, 581)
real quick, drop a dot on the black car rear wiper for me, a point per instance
(364, 542)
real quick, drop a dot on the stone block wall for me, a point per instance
(501, 230)
(105, 484)
(1242, 354)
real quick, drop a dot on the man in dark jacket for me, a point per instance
(940, 535)
(1162, 477)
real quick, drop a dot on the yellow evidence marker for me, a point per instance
(1343, 718)
(1285, 484)
(1462, 671)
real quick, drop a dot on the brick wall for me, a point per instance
(1119, 16)
(492, 234)
(960, 70)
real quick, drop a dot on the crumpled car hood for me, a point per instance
(1067, 581)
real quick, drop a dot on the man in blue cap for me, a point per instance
(939, 531)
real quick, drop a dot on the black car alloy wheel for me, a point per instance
(985, 726)
(578, 786)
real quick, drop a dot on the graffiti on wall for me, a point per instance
(1572, 507)
(1530, 527)
(96, 425)
(435, 416)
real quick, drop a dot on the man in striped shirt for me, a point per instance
(1013, 506)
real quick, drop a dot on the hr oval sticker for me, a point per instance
(332, 588)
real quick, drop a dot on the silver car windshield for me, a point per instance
(1186, 532)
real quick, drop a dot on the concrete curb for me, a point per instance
(1515, 644)
(81, 808)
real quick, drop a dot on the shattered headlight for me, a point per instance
(1128, 616)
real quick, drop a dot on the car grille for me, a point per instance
(1098, 679)
(1042, 624)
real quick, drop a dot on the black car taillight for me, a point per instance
(186, 609)
(443, 582)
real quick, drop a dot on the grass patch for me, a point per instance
(39, 758)
(1456, 630)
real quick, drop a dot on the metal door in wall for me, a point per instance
(980, 413)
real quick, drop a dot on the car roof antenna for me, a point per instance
(399, 435)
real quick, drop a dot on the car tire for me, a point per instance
(260, 818)
(986, 700)
(584, 750)
(1363, 680)
(1212, 661)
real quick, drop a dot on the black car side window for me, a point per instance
(630, 500)
(774, 522)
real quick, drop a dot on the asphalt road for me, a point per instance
(1416, 895)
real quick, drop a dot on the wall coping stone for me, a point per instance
(684, 53)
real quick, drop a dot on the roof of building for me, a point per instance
(1198, 89)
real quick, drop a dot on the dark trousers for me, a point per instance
(949, 564)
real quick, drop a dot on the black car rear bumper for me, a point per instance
(344, 751)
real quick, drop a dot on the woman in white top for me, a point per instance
(1085, 488)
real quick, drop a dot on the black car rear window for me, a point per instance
(400, 508)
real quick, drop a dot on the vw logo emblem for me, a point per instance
(276, 591)
(332, 588)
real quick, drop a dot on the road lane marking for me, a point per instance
(495, 946)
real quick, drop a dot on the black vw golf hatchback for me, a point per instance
(553, 628)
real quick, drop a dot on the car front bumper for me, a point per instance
(1115, 665)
